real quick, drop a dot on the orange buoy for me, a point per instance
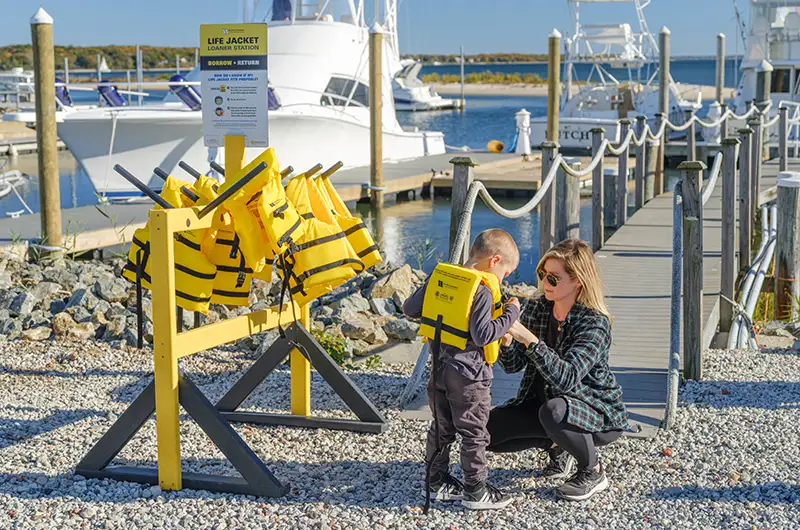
(495, 146)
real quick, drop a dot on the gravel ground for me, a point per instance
(731, 460)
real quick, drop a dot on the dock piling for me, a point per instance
(755, 163)
(663, 101)
(691, 137)
(641, 159)
(568, 199)
(787, 248)
(622, 176)
(46, 137)
(658, 181)
(610, 182)
(547, 205)
(376, 116)
(651, 169)
(463, 176)
(553, 84)
(745, 217)
(598, 237)
(720, 67)
(692, 177)
(783, 137)
(730, 148)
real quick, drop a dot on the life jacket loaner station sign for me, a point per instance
(233, 83)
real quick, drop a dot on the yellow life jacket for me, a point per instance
(221, 245)
(194, 273)
(321, 258)
(449, 294)
(354, 228)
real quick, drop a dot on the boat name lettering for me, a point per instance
(573, 135)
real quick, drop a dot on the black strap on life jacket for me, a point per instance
(434, 347)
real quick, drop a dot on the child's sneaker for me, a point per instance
(447, 488)
(484, 496)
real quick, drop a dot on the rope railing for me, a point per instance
(716, 169)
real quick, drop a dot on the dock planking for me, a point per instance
(636, 268)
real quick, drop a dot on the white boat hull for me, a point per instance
(142, 143)
(573, 133)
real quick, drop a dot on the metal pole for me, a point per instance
(128, 82)
(622, 176)
(720, 67)
(44, 72)
(547, 204)
(196, 56)
(99, 73)
(553, 82)
(462, 78)
(463, 175)
(730, 148)
(783, 137)
(597, 192)
(177, 65)
(692, 175)
(745, 219)
(787, 248)
(640, 163)
(376, 115)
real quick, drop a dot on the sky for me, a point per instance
(426, 26)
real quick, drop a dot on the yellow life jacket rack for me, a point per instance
(450, 292)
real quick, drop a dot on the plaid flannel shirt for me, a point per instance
(575, 369)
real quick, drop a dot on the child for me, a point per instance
(459, 390)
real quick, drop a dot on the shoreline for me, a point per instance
(523, 89)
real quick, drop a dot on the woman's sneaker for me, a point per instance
(484, 496)
(447, 488)
(583, 484)
(561, 464)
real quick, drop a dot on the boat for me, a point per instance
(318, 108)
(610, 51)
(16, 87)
(411, 94)
(772, 43)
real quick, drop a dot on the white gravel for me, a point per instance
(735, 451)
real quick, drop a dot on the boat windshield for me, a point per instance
(291, 11)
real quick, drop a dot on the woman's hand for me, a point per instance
(507, 339)
(522, 335)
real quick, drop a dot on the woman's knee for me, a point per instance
(553, 412)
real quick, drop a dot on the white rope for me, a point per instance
(588, 169)
(683, 127)
(716, 169)
(661, 129)
(639, 141)
(773, 121)
(622, 146)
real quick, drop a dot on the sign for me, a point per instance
(233, 83)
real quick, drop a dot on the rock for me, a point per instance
(354, 302)
(23, 304)
(420, 275)
(102, 307)
(83, 298)
(317, 325)
(57, 306)
(377, 337)
(522, 290)
(358, 326)
(45, 290)
(400, 281)
(793, 328)
(7, 297)
(401, 329)
(65, 327)
(382, 306)
(265, 341)
(35, 319)
(40, 333)
(5, 280)
(399, 299)
(118, 309)
(115, 290)
(80, 313)
(147, 331)
(359, 348)
(130, 337)
(115, 328)
(11, 328)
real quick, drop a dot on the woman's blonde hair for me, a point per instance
(580, 264)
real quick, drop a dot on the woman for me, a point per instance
(568, 402)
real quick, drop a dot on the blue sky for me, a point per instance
(426, 26)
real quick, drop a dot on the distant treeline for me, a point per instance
(493, 78)
(85, 57)
(481, 58)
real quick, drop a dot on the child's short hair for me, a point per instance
(495, 241)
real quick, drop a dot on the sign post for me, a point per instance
(233, 87)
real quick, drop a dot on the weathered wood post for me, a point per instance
(376, 115)
(692, 176)
(720, 68)
(622, 176)
(730, 155)
(553, 84)
(44, 73)
(568, 201)
(547, 210)
(610, 183)
(658, 181)
(641, 159)
(755, 163)
(745, 219)
(724, 124)
(597, 190)
(651, 164)
(691, 138)
(783, 139)
(787, 248)
(463, 176)
(663, 101)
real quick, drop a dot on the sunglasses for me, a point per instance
(551, 278)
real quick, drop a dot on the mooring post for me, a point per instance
(44, 81)
(463, 100)
(641, 159)
(66, 70)
(663, 102)
(745, 219)
(724, 124)
(658, 182)
(610, 183)
(730, 147)
(651, 163)
(787, 248)
(597, 190)
(622, 176)
(783, 137)
(463, 176)
(547, 209)
(720, 67)
(376, 116)
(755, 163)
(691, 138)
(553, 84)
(692, 176)
(568, 200)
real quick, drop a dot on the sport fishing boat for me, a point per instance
(318, 107)
(608, 51)
(411, 94)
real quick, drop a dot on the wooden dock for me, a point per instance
(636, 268)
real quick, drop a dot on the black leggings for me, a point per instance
(533, 425)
